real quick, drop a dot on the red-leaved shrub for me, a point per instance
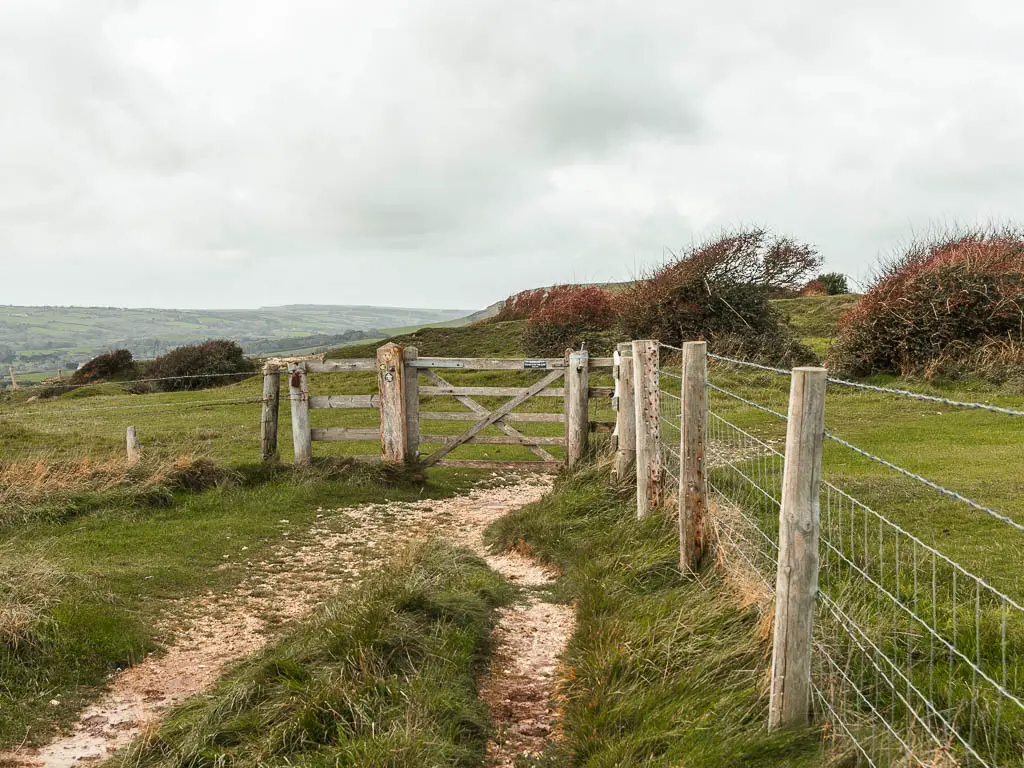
(560, 317)
(943, 307)
(720, 291)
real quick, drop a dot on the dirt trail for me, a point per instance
(213, 632)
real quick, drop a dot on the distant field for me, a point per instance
(45, 338)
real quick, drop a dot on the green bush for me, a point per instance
(200, 366)
(835, 283)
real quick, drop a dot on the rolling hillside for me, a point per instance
(43, 338)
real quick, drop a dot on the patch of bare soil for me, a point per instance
(213, 632)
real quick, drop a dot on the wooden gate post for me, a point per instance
(412, 404)
(132, 445)
(298, 394)
(647, 398)
(271, 408)
(394, 434)
(692, 442)
(625, 415)
(796, 583)
(577, 425)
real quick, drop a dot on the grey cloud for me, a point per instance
(177, 153)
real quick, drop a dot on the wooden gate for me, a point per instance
(404, 378)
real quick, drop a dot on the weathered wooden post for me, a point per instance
(692, 446)
(796, 583)
(132, 445)
(271, 409)
(577, 425)
(647, 400)
(298, 395)
(412, 404)
(394, 434)
(14, 381)
(625, 415)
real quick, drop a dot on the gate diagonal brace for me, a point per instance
(493, 417)
(480, 410)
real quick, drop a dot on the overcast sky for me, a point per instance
(446, 153)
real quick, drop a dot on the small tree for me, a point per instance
(834, 282)
(720, 291)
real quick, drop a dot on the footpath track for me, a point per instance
(215, 631)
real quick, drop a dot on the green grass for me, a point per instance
(383, 676)
(120, 557)
(662, 670)
(816, 316)
(479, 340)
(969, 451)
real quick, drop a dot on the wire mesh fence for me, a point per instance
(918, 659)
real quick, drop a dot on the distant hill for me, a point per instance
(45, 338)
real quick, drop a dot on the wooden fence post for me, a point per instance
(625, 414)
(577, 426)
(14, 381)
(298, 394)
(647, 399)
(132, 445)
(412, 404)
(394, 434)
(271, 409)
(796, 583)
(692, 446)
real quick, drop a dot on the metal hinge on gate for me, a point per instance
(436, 364)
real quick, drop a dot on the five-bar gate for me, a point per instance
(404, 379)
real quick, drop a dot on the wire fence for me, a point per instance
(918, 660)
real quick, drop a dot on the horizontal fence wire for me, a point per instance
(875, 388)
(670, 413)
(164, 406)
(917, 660)
(61, 385)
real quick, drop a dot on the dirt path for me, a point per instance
(213, 632)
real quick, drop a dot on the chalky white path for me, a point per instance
(213, 632)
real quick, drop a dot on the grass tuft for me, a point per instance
(383, 676)
(662, 670)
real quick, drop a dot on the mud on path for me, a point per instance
(213, 632)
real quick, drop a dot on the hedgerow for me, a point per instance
(949, 306)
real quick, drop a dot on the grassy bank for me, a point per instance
(84, 581)
(384, 676)
(662, 670)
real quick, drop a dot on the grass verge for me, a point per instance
(384, 676)
(662, 670)
(87, 589)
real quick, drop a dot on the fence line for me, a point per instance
(875, 388)
(917, 660)
(31, 387)
(200, 404)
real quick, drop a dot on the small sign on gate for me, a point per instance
(535, 364)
